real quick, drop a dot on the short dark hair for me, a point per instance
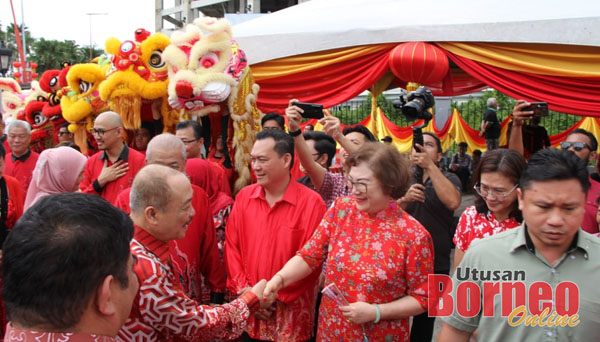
(273, 116)
(196, 127)
(360, 129)
(593, 141)
(2, 151)
(552, 164)
(57, 255)
(65, 125)
(388, 165)
(284, 143)
(510, 164)
(311, 126)
(438, 142)
(463, 144)
(149, 126)
(324, 144)
(477, 153)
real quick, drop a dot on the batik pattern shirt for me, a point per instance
(162, 312)
(473, 226)
(371, 258)
(17, 335)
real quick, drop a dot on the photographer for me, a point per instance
(328, 184)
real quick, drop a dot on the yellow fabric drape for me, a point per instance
(543, 59)
(295, 64)
(376, 90)
(591, 125)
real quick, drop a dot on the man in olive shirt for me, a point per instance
(549, 250)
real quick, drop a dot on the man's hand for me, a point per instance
(294, 115)
(421, 159)
(331, 126)
(519, 114)
(359, 312)
(453, 167)
(113, 172)
(416, 193)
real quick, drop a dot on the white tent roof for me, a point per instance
(327, 24)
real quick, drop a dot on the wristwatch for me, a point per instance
(295, 133)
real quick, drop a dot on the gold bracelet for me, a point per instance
(282, 279)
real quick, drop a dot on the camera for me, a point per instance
(416, 104)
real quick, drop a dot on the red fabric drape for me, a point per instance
(575, 95)
(456, 82)
(330, 85)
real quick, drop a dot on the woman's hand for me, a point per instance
(359, 312)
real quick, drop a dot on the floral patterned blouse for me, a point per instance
(473, 225)
(371, 258)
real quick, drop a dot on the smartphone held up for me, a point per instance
(311, 110)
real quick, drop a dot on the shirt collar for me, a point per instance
(494, 109)
(28, 335)
(154, 245)
(22, 158)
(523, 239)
(124, 156)
(288, 196)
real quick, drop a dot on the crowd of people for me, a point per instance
(147, 242)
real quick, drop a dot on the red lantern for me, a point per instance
(17, 74)
(33, 65)
(34, 75)
(17, 64)
(419, 62)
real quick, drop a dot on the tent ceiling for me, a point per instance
(319, 25)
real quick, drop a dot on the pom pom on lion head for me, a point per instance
(140, 75)
(209, 73)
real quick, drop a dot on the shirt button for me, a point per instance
(554, 270)
(573, 257)
(549, 333)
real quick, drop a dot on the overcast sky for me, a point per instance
(67, 19)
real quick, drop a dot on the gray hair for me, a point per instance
(492, 102)
(151, 188)
(166, 141)
(18, 124)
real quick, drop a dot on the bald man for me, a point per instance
(113, 168)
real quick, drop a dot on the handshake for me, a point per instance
(267, 295)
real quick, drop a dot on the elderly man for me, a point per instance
(196, 256)
(112, 169)
(553, 265)
(161, 209)
(490, 126)
(67, 271)
(22, 159)
(269, 222)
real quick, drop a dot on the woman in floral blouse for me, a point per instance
(377, 255)
(496, 209)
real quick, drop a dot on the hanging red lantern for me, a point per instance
(419, 62)
(34, 75)
(33, 65)
(17, 64)
(17, 74)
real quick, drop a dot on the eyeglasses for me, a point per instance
(185, 142)
(360, 187)
(100, 132)
(485, 192)
(60, 134)
(577, 146)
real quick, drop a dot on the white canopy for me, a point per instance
(319, 25)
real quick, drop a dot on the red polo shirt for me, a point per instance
(111, 190)
(260, 240)
(196, 256)
(21, 168)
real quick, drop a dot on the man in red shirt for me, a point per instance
(22, 160)
(196, 256)
(111, 170)
(67, 271)
(162, 210)
(270, 221)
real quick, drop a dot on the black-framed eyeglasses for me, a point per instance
(359, 186)
(484, 191)
(100, 132)
(577, 146)
(60, 134)
(185, 142)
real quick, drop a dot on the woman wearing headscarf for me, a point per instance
(57, 170)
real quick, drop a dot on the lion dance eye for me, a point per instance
(209, 60)
(127, 47)
(156, 60)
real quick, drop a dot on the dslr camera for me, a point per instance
(415, 106)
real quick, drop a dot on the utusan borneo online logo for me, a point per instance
(536, 304)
